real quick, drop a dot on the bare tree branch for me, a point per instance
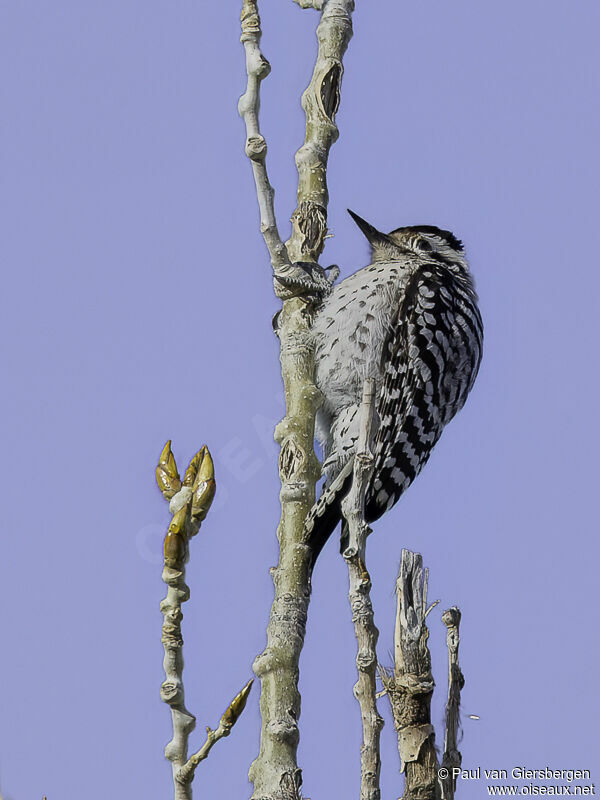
(228, 720)
(320, 101)
(275, 769)
(257, 68)
(190, 502)
(452, 757)
(289, 279)
(353, 510)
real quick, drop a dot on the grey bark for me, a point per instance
(275, 772)
(353, 510)
(411, 685)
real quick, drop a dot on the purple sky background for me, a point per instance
(137, 305)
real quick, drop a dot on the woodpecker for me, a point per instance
(409, 321)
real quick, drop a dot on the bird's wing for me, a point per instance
(430, 360)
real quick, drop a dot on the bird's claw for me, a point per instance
(305, 278)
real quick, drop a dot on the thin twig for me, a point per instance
(257, 69)
(353, 510)
(452, 756)
(190, 501)
(171, 691)
(431, 607)
(186, 773)
(181, 496)
(228, 720)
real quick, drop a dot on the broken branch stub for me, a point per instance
(410, 686)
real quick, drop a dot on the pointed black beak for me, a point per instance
(374, 236)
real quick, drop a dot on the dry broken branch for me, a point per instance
(410, 687)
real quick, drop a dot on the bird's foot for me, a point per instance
(305, 278)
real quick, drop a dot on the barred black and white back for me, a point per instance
(410, 321)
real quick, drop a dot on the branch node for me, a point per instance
(318, 4)
(256, 148)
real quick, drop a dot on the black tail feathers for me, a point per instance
(326, 513)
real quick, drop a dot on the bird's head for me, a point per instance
(421, 239)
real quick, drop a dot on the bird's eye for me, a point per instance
(424, 245)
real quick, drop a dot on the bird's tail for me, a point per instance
(324, 516)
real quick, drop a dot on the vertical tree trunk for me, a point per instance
(275, 771)
(276, 767)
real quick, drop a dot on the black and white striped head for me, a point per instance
(426, 240)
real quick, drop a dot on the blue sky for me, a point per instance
(137, 307)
